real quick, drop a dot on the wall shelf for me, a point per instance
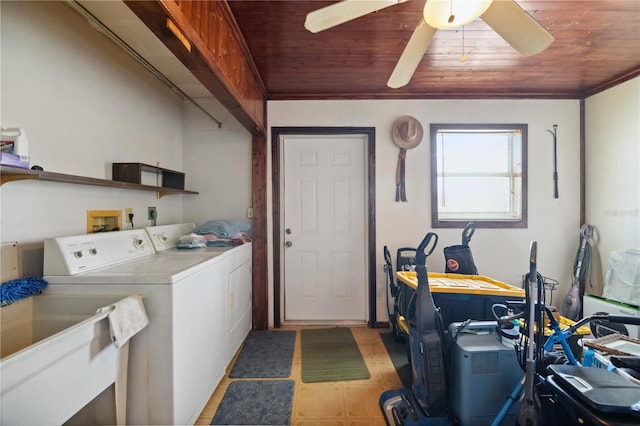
(12, 174)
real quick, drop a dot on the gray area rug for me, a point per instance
(256, 402)
(265, 354)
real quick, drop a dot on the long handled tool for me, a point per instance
(554, 133)
(529, 414)
(571, 305)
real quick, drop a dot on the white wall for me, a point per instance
(613, 173)
(501, 254)
(85, 104)
(83, 101)
(219, 161)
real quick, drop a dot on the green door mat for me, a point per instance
(331, 355)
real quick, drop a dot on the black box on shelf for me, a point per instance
(141, 174)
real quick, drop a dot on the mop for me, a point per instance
(20, 288)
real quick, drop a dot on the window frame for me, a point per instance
(493, 223)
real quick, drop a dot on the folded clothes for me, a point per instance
(225, 242)
(220, 242)
(192, 241)
(237, 239)
(189, 245)
(224, 228)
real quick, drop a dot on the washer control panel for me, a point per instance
(81, 253)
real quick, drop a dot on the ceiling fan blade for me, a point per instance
(412, 55)
(517, 27)
(344, 11)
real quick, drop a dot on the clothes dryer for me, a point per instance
(238, 278)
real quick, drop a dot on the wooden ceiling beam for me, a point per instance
(206, 39)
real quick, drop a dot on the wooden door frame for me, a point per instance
(276, 174)
(260, 275)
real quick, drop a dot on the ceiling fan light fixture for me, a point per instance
(449, 14)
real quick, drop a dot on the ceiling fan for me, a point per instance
(505, 17)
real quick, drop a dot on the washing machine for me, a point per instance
(176, 362)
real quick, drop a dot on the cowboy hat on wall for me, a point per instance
(407, 134)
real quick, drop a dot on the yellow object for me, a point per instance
(458, 283)
(478, 285)
(402, 323)
(564, 323)
(104, 220)
(179, 34)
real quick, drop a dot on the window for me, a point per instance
(479, 175)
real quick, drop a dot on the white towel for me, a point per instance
(126, 319)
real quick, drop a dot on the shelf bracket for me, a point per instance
(15, 177)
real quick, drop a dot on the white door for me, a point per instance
(324, 228)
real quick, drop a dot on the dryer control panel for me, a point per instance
(165, 237)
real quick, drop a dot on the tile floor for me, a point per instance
(348, 403)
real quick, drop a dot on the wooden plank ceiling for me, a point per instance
(597, 44)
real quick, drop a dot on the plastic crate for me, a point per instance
(463, 297)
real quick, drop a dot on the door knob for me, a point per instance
(287, 231)
(288, 244)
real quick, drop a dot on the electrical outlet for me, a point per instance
(151, 213)
(128, 212)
